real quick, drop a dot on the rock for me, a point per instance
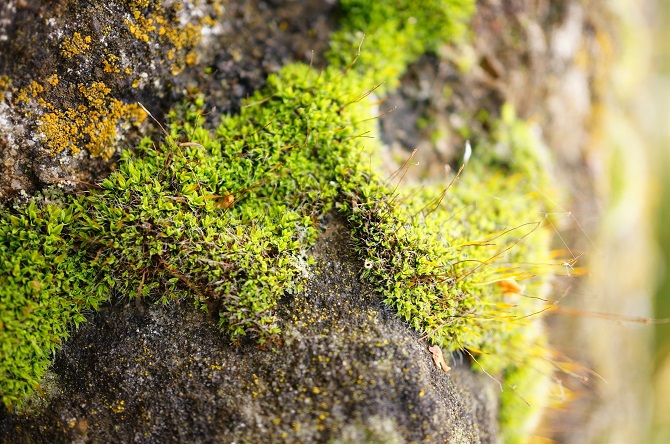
(346, 370)
(72, 74)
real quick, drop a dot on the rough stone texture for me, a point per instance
(346, 370)
(71, 73)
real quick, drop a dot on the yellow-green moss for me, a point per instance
(521, 408)
(396, 32)
(225, 219)
(163, 227)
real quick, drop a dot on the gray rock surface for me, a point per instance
(346, 370)
(71, 73)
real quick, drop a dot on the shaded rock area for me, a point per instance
(346, 370)
(549, 59)
(72, 73)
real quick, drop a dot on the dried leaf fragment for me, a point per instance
(225, 202)
(510, 286)
(438, 358)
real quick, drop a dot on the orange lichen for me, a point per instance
(90, 117)
(139, 32)
(29, 92)
(75, 45)
(148, 24)
(95, 94)
(111, 64)
(5, 84)
(52, 79)
(191, 58)
(91, 126)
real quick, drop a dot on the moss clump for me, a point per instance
(224, 221)
(396, 33)
(221, 219)
(45, 285)
(460, 263)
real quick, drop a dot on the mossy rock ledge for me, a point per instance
(258, 280)
(348, 370)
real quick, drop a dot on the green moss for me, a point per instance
(521, 409)
(220, 219)
(164, 227)
(225, 219)
(460, 264)
(396, 33)
(45, 286)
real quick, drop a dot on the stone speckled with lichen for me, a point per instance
(71, 74)
(347, 370)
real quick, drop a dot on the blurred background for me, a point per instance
(657, 128)
(616, 357)
(594, 75)
(628, 401)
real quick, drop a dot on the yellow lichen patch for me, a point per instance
(191, 58)
(52, 79)
(176, 69)
(91, 126)
(95, 93)
(5, 84)
(149, 24)
(29, 92)
(75, 45)
(139, 31)
(118, 406)
(111, 64)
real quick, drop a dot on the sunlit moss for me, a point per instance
(221, 219)
(225, 220)
(394, 34)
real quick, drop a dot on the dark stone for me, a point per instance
(234, 47)
(346, 370)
